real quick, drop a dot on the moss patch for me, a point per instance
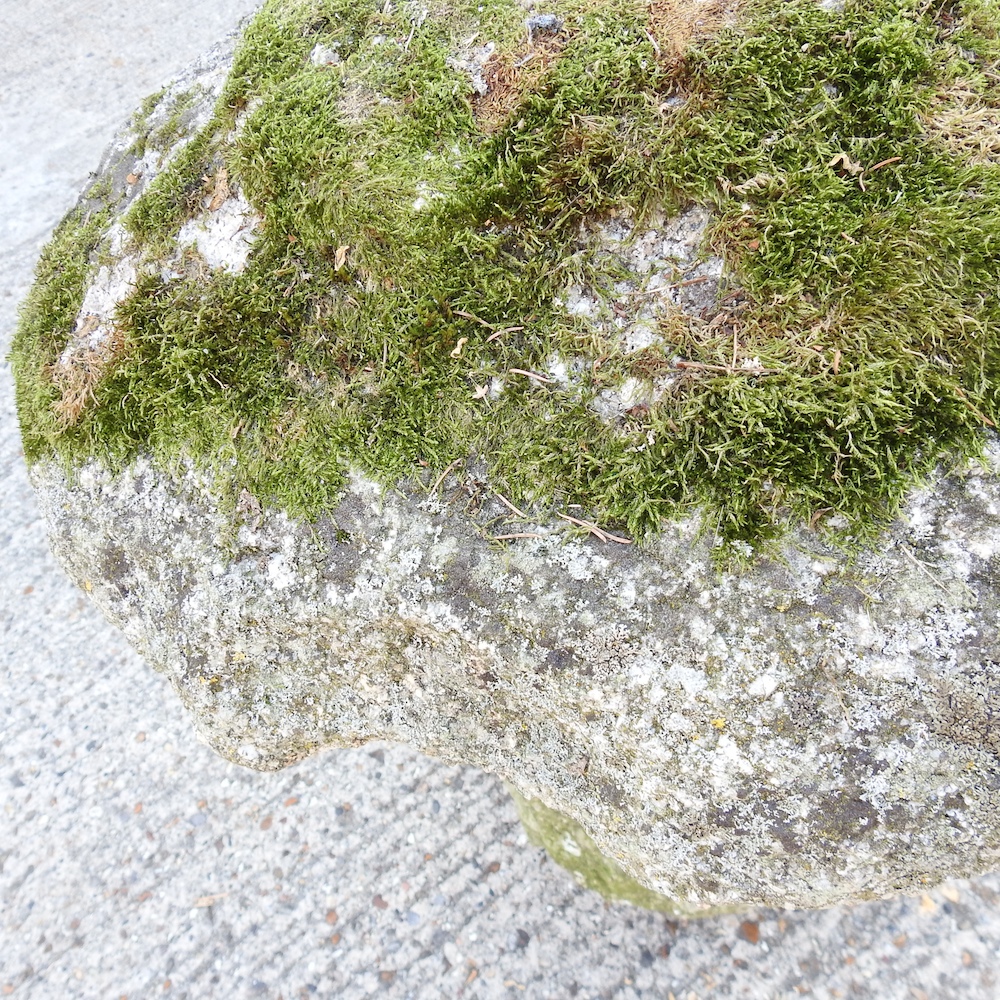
(49, 312)
(400, 312)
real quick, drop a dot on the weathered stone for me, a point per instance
(813, 731)
(816, 726)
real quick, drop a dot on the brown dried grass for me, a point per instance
(76, 376)
(509, 76)
(968, 126)
(674, 24)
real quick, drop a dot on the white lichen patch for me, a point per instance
(280, 572)
(663, 277)
(325, 55)
(244, 116)
(919, 514)
(112, 284)
(426, 194)
(763, 687)
(726, 765)
(668, 271)
(614, 403)
(472, 59)
(567, 373)
(224, 237)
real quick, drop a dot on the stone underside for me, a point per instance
(569, 844)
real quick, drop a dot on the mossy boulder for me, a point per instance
(600, 393)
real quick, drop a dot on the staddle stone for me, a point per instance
(601, 394)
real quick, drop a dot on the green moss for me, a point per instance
(167, 133)
(47, 316)
(976, 25)
(173, 195)
(863, 248)
(140, 122)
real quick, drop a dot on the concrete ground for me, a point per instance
(134, 863)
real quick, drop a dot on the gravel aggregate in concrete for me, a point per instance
(134, 863)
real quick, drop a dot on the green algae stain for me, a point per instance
(414, 250)
(569, 845)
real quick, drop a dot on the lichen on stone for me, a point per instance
(815, 730)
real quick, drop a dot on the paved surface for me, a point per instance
(134, 863)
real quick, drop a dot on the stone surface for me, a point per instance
(815, 729)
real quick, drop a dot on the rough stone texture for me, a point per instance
(132, 161)
(811, 731)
